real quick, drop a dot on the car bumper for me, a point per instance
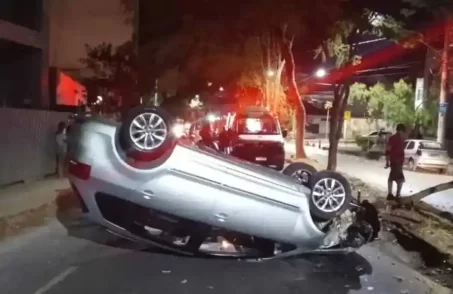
(440, 165)
(267, 156)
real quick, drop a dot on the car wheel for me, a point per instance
(411, 165)
(279, 166)
(300, 171)
(146, 133)
(330, 195)
(442, 171)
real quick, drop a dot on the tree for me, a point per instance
(396, 104)
(358, 19)
(210, 45)
(115, 73)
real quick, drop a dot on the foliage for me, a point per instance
(114, 69)
(357, 19)
(395, 104)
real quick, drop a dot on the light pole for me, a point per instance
(327, 106)
(155, 94)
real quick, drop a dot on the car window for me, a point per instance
(431, 145)
(263, 124)
(410, 145)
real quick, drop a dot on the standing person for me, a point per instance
(395, 159)
(60, 148)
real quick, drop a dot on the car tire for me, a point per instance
(336, 192)
(411, 165)
(280, 166)
(300, 171)
(151, 122)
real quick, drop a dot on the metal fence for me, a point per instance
(27, 143)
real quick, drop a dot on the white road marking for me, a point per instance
(59, 278)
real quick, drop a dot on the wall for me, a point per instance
(20, 35)
(21, 79)
(27, 144)
(24, 23)
(317, 127)
(361, 126)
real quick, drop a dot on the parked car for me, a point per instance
(140, 182)
(372, 136)
(426, 154)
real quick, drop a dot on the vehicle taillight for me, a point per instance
(79, 170)
(419, 152)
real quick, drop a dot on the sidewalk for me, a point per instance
(24, 206)
(23, 197)
(373, 173)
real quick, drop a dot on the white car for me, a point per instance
(139, 181)
(426, 154)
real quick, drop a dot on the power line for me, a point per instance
(384, 75)
(407, 65)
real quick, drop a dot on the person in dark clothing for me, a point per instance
(395, 160)
(223, 139)
(417, 132)
(206, 135)
(60, 148)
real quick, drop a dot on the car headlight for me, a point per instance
(178, 130)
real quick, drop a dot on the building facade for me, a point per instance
(24, 43)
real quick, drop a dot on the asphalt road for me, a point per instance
(70, 255)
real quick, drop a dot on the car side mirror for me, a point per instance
(285, 133)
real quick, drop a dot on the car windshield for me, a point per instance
(264, 124)
(431, 145)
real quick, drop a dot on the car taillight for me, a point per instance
(79, 170)
(419, 152)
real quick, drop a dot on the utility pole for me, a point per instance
(156, 92)
(327, 106)
(444, 85)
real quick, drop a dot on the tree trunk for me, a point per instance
(300, 131)
(341, 95)
(292, 92)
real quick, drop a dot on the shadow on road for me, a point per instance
(309, 274)
(69, 214)
(176, 274)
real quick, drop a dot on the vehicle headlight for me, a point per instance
(178, 130)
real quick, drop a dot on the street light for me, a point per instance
(209, 84)
(221, 89)
(197, 96)
(320, 73)
(270, 73)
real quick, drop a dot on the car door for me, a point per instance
(410, 150)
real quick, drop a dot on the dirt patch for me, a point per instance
(416, 229)
(16, 224)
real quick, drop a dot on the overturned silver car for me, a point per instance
(140, 182)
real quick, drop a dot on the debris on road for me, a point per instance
(415, 229)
